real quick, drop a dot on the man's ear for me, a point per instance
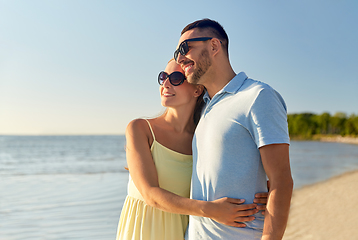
(215, 46)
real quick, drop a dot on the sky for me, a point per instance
(90, 67)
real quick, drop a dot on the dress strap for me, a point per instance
(151, 130)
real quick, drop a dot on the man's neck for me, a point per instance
(218, 80)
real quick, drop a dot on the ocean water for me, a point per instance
(61, 187)
(313, 162)
(34, 155)
(73, 187)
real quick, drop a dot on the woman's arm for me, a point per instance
(228, 211)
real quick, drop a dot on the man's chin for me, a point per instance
(192, 80)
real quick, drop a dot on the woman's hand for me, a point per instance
(261, 199)
(231, 211)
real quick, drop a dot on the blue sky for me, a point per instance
(89, 67)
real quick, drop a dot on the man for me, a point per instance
(242, 136)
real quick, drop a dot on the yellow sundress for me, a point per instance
(138, 221)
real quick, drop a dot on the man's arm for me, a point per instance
(275, 159)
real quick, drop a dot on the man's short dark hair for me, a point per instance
(214, 27)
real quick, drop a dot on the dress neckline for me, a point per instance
(155, 141)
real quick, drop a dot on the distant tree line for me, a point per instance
(308, 125)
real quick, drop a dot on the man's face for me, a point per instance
(197, 60)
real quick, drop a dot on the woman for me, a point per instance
(160, 165)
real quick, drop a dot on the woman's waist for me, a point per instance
(133, 191)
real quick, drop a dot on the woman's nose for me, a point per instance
(166, 83)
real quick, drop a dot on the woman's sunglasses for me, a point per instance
(175, 78)
(183, 48)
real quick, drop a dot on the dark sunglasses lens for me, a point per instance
(184, 49)
(161, 78)
(176, 78)
(176, 54)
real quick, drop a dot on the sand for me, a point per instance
(326, 210)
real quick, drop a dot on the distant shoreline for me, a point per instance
(329, 138)
(340, 139)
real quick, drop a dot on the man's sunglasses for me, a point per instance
(183, 48)
(175, 78)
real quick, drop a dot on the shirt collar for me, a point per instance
(232, 86)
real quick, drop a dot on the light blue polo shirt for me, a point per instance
(244, 116)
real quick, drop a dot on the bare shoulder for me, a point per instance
(136, 124)
(138, 129)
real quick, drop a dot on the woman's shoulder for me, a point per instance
(138, 122)
(136, 125)
(139, 128)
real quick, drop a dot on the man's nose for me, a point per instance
(180, 58)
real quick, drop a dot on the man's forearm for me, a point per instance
(278, 206)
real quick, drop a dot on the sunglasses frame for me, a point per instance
(183, 48)
(170, 80)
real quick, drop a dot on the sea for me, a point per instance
(73, 187)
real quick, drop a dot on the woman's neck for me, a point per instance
(181, 120)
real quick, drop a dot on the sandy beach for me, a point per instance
(326, 210)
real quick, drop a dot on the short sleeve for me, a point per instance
(268, 118)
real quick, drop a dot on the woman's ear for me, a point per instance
(198, 90)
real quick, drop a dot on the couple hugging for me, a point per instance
(200, 170)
